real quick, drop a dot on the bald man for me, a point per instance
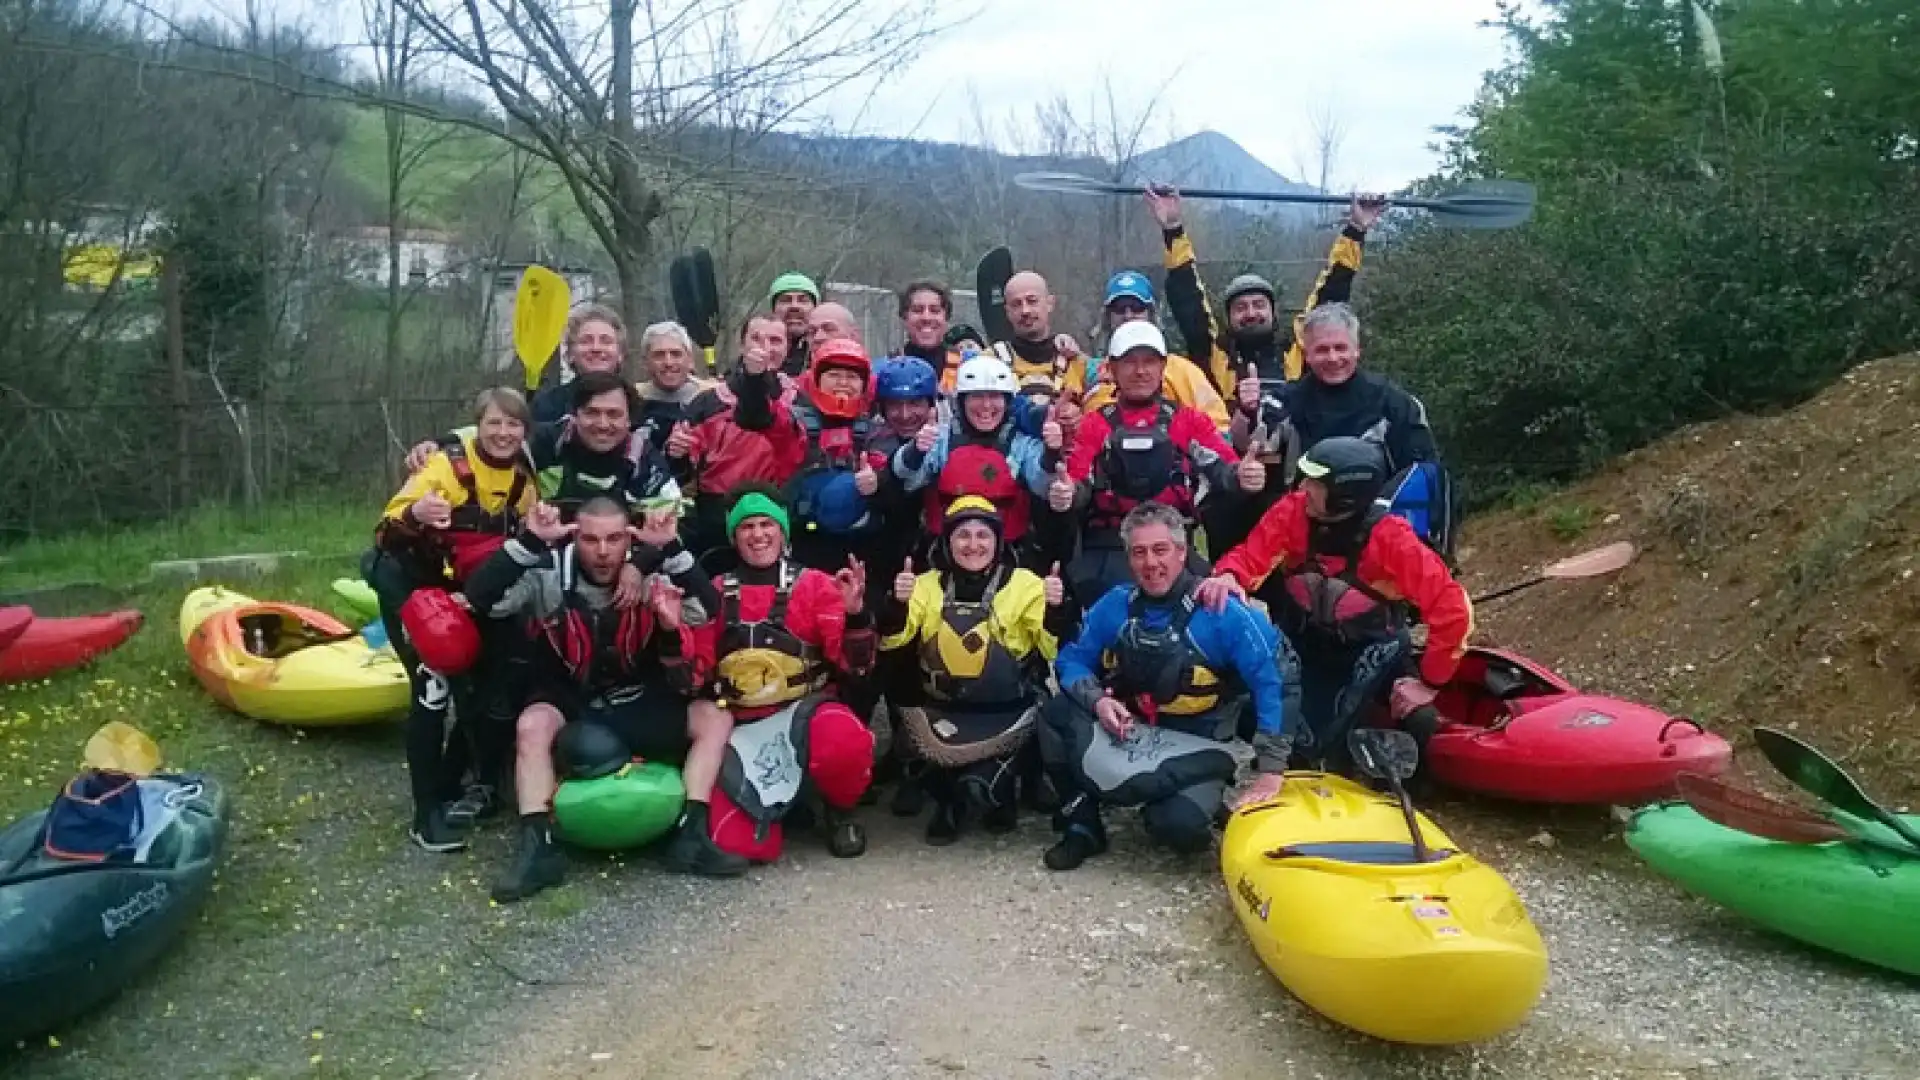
(1040, 358)
(832, 322)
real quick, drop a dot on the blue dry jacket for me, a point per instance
(1238, 639)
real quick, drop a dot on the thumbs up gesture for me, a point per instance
(1055, 589)
(1249, 391)
(928, 435)
(1051, 433)
(1060, 492)
(903, 583)
(1253, 475)
(866, 481)
(680, 440)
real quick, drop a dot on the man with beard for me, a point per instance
(1040, 357)
(1150, 694)
(602, 672)
(791, 299)
(1254, 334)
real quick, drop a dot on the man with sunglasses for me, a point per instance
(1130, 298)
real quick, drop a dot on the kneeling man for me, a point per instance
(1153, 690)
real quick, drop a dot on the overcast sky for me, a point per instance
(1257, 70)
(1390, 70)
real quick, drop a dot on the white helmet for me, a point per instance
(988, 374)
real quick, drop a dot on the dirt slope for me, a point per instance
(1777, 581)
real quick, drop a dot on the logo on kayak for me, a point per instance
(1587, 718)
(1255, 903)
(139, 906)
(1430, 911)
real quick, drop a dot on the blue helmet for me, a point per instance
(905, 378)
(1129, 283)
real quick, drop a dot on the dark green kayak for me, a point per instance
(74, 934)
(1853, 899)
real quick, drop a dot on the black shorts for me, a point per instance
(653, 724)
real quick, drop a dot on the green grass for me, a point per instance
(323, 916)
(120, 557)
(1571, 521)
(448, 172)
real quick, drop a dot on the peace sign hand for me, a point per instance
(853, 585)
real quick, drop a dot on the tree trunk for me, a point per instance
(177, 364)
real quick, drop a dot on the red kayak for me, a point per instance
(50, 645)
(1517, 730)
(13, 623)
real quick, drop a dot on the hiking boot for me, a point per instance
(692, 850)
(476, 804)
(432, 832)
(1002, 818)
(846, 838)
(1078, 845)
(538, 863)
(944, 827)
(911, 796)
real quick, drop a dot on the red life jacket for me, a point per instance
(977, 468)
(764, 663)
(1336, 604)
(598, 648)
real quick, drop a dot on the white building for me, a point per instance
(427, 258)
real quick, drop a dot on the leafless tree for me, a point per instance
(623, 97)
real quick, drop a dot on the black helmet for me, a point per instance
(1354, 471)
(587, 751)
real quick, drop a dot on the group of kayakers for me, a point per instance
(997, 539)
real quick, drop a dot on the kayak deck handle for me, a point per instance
(1667, 749)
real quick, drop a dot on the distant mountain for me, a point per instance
(1212, 160)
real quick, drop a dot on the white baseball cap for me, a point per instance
(1138, 334)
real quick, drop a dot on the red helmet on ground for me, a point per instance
(441, 631)
(847, 355)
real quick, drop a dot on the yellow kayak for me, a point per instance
(286, 664)
(1325, 882)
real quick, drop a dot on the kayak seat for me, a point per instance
(1504, 684)
(1367, 852)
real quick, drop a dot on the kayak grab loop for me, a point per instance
(1668, 749)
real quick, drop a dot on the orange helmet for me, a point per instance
(847, 356)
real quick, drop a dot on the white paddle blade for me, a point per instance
(1602, 560)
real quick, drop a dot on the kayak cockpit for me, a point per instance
(1364, 852)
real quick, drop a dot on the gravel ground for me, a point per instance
(971, 960)
(976, 960)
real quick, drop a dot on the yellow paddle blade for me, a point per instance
(120, 747)
(539, 319)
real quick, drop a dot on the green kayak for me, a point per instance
(1853, 899)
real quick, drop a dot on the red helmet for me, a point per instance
(441, 631)
(846, 355)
